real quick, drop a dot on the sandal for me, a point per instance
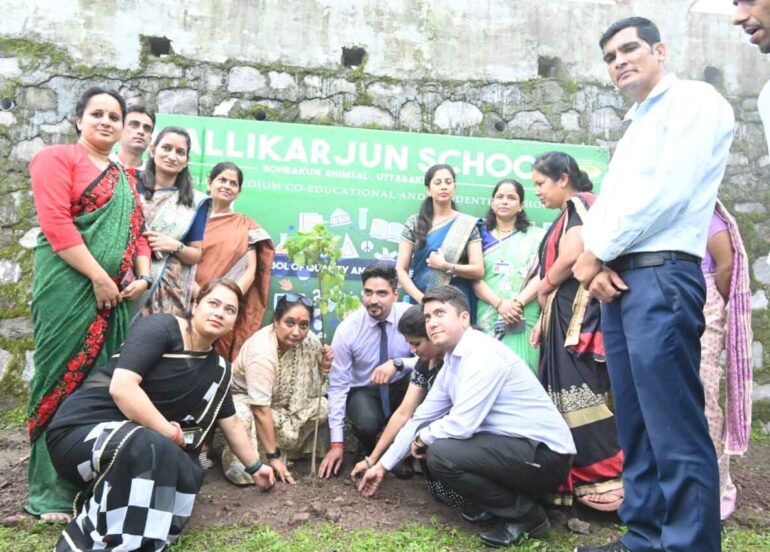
(237, 476)
(609, 501)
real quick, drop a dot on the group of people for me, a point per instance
(530, 366)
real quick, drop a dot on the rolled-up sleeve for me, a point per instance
(339, 384)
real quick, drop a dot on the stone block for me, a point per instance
(245, 79)
(410, 116)
(457, 115)
(25, 150)
(281, 81)
(570, 120)
(390, 96)
(10, 272)
(761, 270)
(180, 101)
(603, 120)
(505, 98)
(757, 354)
(548, 92)
(737, 160)
(223, 109)
(7, 118)
(9, 68)
(29, 239)
(5, 363)
(364, 115)
(317, 109)
(163, 70)
(762, 230)
(342, 86)
(16, 328)
(759, 300)
(750, 208)
(38, 99)
(749, 104)
(29, 366)
(530, 120)
(10, 208)
(59, 133)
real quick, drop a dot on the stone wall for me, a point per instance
(545, 99)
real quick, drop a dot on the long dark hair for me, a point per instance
(522, 222)
(183, 181)
(425, 215)
(223, 166)
(556, 163)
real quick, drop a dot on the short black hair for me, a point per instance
(143, 110)
(447, 294)
(385, 271)
(646, 29)
(412, 322)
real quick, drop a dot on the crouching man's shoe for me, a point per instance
(476, 515)
(611, 547)
(507, 532)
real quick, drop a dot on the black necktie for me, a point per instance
(384, 388)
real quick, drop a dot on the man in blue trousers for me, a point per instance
(644, 239)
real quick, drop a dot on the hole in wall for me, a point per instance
(353, 56)
(260, 115)
(156, 45)
(713, 76)
(6, 104)
(548, 67)
(500, 126)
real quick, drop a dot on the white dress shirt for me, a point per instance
(483, 387)
(356, 347)
(763, 105)
(662, 182)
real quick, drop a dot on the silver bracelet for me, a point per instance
(368, 462)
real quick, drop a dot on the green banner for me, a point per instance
(362, 184)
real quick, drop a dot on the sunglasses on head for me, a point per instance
(297, 298)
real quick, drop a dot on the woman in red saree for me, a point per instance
(237, 248)
(572, 368)
(89, 258)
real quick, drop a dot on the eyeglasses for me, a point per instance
(297, 298)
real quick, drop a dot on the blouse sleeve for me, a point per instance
(407, 234)
(228, 407)
(51, 172)
(475, 233)
(148, 340)
(419, 376)
(259, 373)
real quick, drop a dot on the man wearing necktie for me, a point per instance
(366, 381)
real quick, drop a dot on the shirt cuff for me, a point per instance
(389, 460)
(425, 436)
(336, 434)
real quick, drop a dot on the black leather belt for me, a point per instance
(645, 260)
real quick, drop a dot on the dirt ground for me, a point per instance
(337, 501)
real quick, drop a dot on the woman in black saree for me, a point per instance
(130, 436)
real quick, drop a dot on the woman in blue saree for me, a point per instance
(440, 244)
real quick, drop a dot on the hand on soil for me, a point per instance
(331, 463)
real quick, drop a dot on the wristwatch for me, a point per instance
(399, 364)
(147, 278)
(273, 455)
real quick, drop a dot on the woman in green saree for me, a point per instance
(509, 243)
(90, 257)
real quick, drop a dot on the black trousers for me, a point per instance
(504, 475)
(364, 410)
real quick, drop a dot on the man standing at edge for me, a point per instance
(487, 428)
(137, 133)
(644, 238)
(754, 17)
(371, 358)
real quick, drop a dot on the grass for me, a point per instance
(430, 537)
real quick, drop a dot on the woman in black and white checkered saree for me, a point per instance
(129, 437)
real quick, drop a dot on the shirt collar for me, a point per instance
(663, 85)
(390, 318)
(463, 347)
